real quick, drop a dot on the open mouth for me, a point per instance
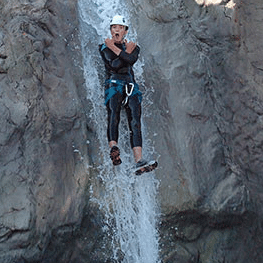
(117, 35)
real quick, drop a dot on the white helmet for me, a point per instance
(119, 20)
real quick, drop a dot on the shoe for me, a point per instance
(141, 163)
(143, 166)
(115, 155)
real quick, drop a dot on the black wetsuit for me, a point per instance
(119, 74)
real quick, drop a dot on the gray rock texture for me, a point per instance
(204, 63)
(43, 130)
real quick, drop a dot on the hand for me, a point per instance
(109, 42)
(130, 46)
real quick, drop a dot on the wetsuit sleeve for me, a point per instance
(110, 59)
(130, 58)
(102, 49)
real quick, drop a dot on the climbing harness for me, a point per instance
(114, 86)
(128, 89)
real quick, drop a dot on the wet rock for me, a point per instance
(43, 157)
(203, 62)
(206, 78)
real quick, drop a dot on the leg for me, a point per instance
(137, 153)
(112, 143)
(133, 110)
(114, 108)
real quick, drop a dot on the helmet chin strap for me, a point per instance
(123, 37)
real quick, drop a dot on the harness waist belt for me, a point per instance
(129, 88)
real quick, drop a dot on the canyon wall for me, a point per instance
(43, 130)
(203, 63)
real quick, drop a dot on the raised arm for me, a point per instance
(130, 58)
(109, 60)
(130, 55)
(110, 44)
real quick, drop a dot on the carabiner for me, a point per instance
(128, 93)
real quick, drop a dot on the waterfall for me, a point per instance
(129, 202)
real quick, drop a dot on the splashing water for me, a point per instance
(229, 4)
(129, 202)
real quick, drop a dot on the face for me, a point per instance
(118, 33)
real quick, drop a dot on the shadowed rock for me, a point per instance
(203, 61)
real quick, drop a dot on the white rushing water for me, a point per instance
(129, 202)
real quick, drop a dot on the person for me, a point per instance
(122, 91)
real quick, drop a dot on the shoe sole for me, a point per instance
(147, 168)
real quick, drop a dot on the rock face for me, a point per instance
(43, 127)
(205, 66)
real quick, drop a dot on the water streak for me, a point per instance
(129, 202)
